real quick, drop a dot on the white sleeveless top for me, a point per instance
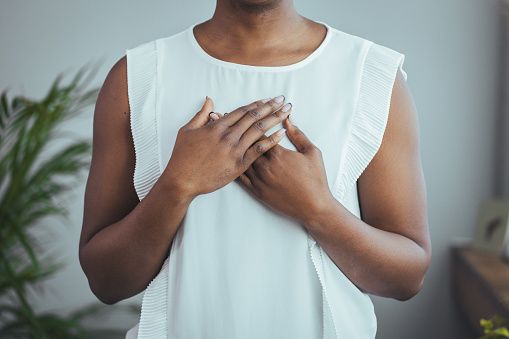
(236, 268)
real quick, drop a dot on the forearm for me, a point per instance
(376, 261)
(122, 259)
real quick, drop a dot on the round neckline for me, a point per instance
(209, 58)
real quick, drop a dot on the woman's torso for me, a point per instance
(236, 268)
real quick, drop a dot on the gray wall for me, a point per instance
(452, 50)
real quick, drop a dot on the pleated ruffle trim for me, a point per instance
(370, 119)
(368, 127)
(142, 92)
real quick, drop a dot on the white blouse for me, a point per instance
(236, 268)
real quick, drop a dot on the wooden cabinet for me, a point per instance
(480, 285)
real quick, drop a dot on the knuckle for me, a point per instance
(279, 115)
(315, 151)
(258, 148)
(272, 104)
(226, 137)
(255, 113)
(240, 162)
(272, 139)
(244, 109)
(259, 125)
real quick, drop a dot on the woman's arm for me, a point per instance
(124, 242)
(388, 252)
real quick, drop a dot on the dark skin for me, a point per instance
(124, 241)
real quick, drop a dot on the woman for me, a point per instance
(238, 229)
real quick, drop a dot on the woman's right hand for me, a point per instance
(209, 155)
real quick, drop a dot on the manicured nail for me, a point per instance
(280, 132)
(214, 116)
(279, 99)
(266, 100)
(286, 108)
(292, 121)
(206, 97)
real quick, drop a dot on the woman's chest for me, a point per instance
(323, 104)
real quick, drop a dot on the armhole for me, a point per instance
(142, 93)
(370, 119)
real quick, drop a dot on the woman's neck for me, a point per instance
(264, 33)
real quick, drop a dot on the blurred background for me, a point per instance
(455, 60)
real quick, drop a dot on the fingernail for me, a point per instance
(286, 108)
(214, 116)
(206, 97)
(266, 100)
(279, 99)
(280, 132)
(292, 121)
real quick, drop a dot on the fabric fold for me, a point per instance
(142, 92)
(370, 119)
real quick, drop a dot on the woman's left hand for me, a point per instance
(292, 183)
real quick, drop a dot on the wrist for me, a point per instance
(179, 190)
(319, 210)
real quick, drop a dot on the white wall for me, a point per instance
(452, 60)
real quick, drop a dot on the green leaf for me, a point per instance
(501, 331)
(487, 324)
(31, 185)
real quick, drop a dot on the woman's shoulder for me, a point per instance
(360, 46)
(176, 38)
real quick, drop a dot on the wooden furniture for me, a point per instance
(480, 285)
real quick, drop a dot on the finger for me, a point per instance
(262, 146)
(214, 116)
(297, 137)
(232, 117)
(202, 117)
(258, 113)
(246, 182)
(250, 174)
(261, 126)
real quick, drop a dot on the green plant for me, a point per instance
(29, 187)
(493, 328)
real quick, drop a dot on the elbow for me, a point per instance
(414, 285)
(99, 284)
(409, 291)
(103, 296)
(103, 290)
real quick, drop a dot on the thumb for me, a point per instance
(202, 117)
(296, 136)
